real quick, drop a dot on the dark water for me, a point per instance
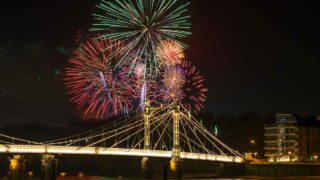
(188, 178)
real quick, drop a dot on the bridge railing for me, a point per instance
(44, 149)
(127, 137)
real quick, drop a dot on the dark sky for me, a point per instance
(256, 55)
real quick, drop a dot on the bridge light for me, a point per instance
(3, 149)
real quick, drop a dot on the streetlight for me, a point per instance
(315, 157)
(252, 145)
(252, 141)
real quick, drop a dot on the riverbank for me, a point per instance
(283, 169)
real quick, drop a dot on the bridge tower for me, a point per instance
(176, 162)
(146, 118)
(145, 162)
(176, 130)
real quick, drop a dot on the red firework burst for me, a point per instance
(184, 84)
(94, 85)
(170, 53)
(194, 89)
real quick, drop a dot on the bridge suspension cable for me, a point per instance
(170, 133)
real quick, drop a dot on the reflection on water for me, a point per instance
(108, 178)
(91, 178)
(233, 178)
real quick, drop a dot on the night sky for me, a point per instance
(256, 56)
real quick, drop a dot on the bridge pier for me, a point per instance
(48, 167)
(176, 168)
(17, 167)
(146, 166)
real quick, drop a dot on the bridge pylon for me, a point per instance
(176, 133)
(146, 118)
(145, 161)
(176, 162)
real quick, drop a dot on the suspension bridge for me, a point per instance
(164, 132)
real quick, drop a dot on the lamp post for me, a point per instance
(252, 141)
(252, 148)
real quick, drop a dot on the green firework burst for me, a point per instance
(142, 25)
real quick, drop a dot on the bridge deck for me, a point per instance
(39, 149)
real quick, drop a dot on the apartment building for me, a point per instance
(292, 138)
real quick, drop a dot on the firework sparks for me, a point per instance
(140, 71)
(173, 81)
(170, 53)
(194, 89)
(143, 25)
(143, 85)
(106, 77)
(174, 78)
(184, 84)
(93, 84)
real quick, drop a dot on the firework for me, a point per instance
(93, 83)
(194, 89)
(143, 25)
(170, 53)
(173, 81)
(184, 84)
(174, 78)
(139, 71)
(144, 86)
(140, 83)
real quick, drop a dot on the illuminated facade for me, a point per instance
(292, 138)
(281, 139)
